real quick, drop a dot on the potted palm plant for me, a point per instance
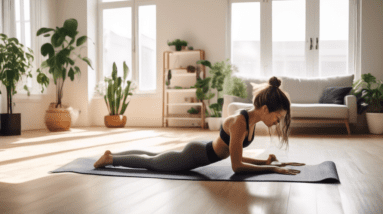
(60, 64)
(118, 90)
(371, 91)
(15, 62)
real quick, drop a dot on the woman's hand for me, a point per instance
(271, 159)
(286, 171)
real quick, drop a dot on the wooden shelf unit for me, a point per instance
(166, 92)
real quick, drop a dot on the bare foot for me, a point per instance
(106, 159)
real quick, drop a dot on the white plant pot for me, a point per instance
(375, 122)
(214, 123)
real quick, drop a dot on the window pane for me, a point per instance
(17, 8)
(289, 31)
(28, 34)
(147, 47)
(333, 44)
(18, 31)
(27, 10)
(245, 38)
(117, 45)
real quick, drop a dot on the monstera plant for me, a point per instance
(15, 62)
(61, 64)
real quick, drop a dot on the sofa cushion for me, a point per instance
(332, 111)
(334, 95)
(309, 90)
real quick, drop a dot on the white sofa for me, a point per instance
(304, 96)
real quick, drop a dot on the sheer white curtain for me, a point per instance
(8, 18)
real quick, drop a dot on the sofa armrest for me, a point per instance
(227, 99)
(350, 102)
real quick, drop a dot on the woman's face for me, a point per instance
(273, 118)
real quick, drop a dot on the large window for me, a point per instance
(302, 38)
(128, 33)
(24, 12)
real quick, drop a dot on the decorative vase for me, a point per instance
(10, 124)
(57, 119)
(375, 122)
(115, 121)
(183, 48)
(214, 123)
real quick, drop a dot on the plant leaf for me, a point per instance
(81, 40)
(88, 61)
(126, 71)
(71, 25)
(43, 30)
(71, 74)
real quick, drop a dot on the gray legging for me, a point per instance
(195, 154)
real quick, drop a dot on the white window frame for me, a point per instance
(312, 31)
(134, 4)
(36, 43)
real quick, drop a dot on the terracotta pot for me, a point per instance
(57, 119)
(115, 121)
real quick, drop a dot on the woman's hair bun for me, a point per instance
(274, 81)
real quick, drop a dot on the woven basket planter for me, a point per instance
(57, 120)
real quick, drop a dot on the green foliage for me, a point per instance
(15, 62)
(219, 72)
(117, 91)
(59, 51)
(235, 86)
(177, 87)
(178, 43)
(371, 90)
(193, 111)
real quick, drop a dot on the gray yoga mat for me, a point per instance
(322, 173)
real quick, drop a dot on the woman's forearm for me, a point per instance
(246, 167)
(254, 161)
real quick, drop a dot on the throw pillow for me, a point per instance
(334, 95)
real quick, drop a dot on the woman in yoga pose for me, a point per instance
(271, 106)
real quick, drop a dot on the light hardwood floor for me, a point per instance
(26, 186)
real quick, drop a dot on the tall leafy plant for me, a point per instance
(15, 62)
(61, 56)
(219, 71)
(371, 91)
(118, 90)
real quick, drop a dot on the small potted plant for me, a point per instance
(118, 90)
(15, 62)
(190, 48)
(371, 91)
(60, 64)
(190, 69)
(179, 44)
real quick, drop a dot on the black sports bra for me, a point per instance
(226, 138)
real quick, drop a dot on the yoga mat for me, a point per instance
(322, 173)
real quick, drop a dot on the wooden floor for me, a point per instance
(26, 186)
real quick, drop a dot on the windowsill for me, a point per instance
(24, 98)
(136, 94)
